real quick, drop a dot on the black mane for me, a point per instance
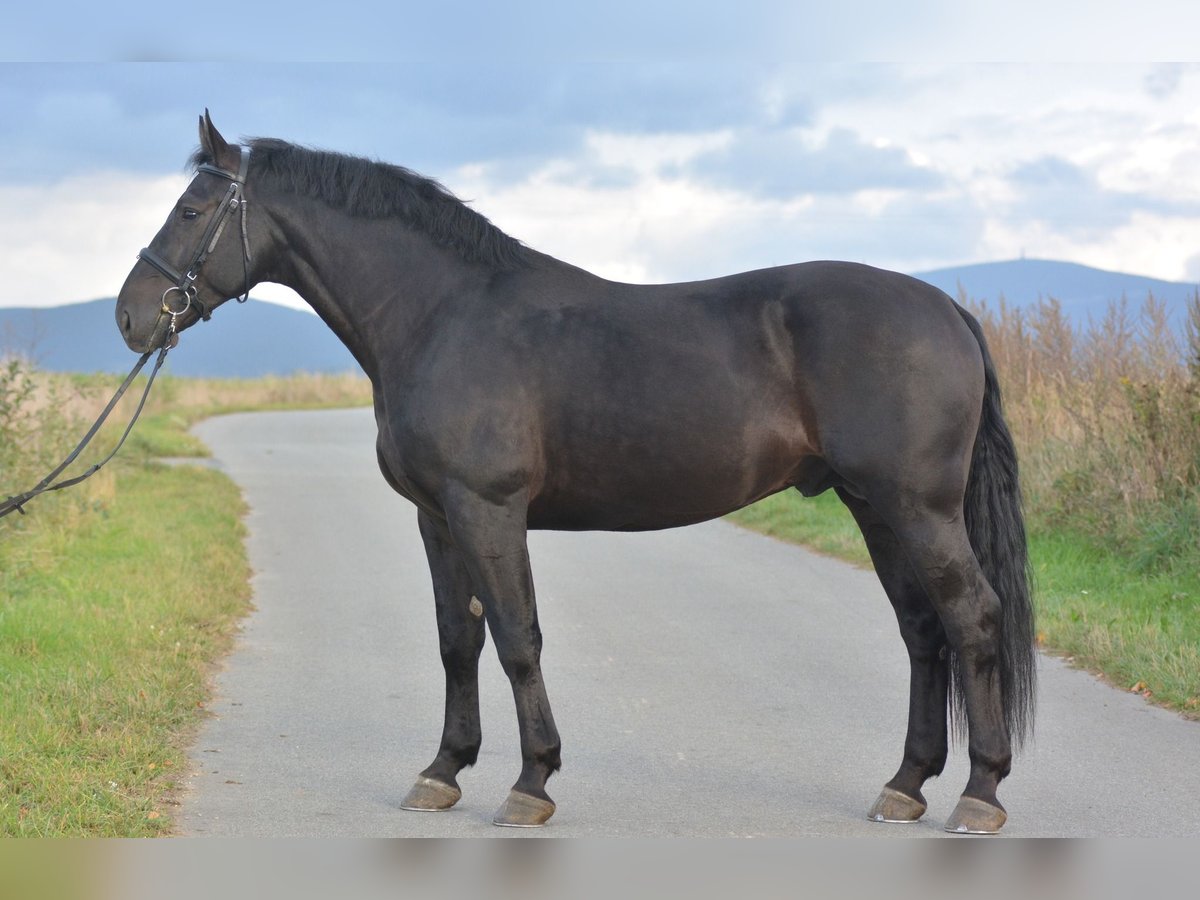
(377, 190)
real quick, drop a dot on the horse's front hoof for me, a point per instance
(893, 806)
(522, 810)
(973, 816)
(428, 795)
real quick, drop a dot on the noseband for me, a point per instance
(184, 282)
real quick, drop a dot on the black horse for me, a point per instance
(514, 391)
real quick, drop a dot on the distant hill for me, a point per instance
(247, 341)
(1082, 290)
(262, 338)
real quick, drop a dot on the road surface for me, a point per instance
(706, 681)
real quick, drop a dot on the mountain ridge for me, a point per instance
(1083, 291)
(250, 340)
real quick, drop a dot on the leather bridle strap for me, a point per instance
(184, 281)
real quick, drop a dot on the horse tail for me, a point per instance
(996, 528)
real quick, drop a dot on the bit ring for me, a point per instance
(187, 292)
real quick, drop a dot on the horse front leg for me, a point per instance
(492, 538)
(461, 636)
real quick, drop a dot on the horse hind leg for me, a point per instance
(925, 745)
(461, 637)
(939, 549)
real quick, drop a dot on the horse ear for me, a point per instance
(214, 145)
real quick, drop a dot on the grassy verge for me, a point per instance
(1138, 627)
(116, 598)
(1132, 616)
(106, 635)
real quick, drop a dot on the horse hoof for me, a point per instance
(893, 806)
(522, 810)
(973, 816)
(428, 795)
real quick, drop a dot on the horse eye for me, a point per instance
(189, 213)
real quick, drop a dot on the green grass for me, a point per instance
(822, 523)
(107, 633)
(166, 435)
(116, 599)
(1138, 627)
(1129, 611)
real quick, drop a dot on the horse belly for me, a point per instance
(677, 480)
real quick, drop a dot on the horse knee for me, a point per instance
(461, 649)
(520, 666)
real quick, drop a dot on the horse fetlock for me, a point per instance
(917, 768)
(989, 765)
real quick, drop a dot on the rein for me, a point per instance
(182, 282)
(48, 484)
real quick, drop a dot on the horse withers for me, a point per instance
(513, 391)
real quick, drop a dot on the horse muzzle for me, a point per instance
(142, 333)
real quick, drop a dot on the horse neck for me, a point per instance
(375, 282)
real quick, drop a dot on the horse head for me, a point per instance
(187, 271)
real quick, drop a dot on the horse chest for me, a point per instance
(402, 470)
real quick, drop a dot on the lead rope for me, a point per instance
(45, 485)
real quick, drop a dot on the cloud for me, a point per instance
(67, 119)
(1070, 198)
(787, 163)
(640, 168)
(658, 221)
(78, 239)
(1164, 80)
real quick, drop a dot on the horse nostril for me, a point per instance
(126, 322)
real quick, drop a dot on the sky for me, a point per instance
(643, 141)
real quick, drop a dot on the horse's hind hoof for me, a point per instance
(973, 816)
(428, 795)
(893, 806)
(522, 810)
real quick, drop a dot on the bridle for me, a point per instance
(183, 282)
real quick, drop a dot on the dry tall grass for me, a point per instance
(1106, 416)
(210, 395)
(43, 415)
(40, 418)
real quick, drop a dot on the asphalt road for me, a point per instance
(706, 681)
